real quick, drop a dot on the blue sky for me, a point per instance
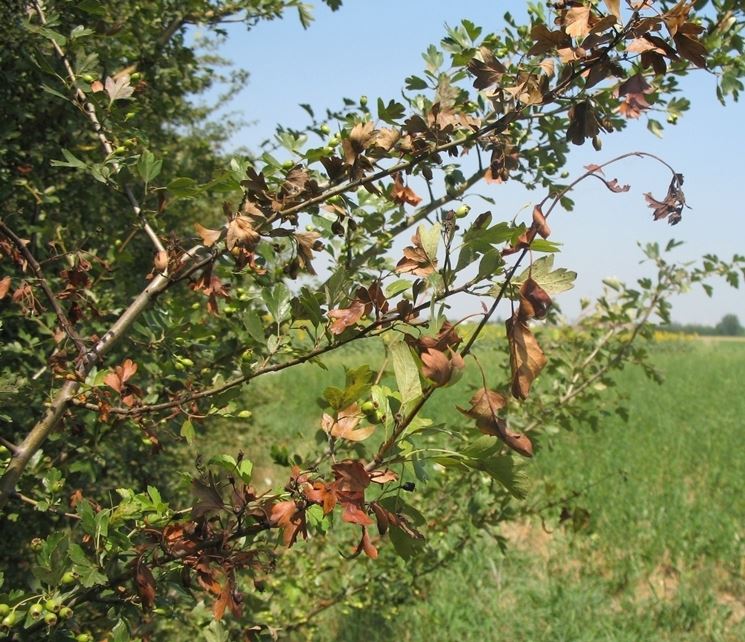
(370, 47)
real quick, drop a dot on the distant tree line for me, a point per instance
(729, 326)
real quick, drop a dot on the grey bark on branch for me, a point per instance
(65, 395)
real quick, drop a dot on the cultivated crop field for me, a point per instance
(637, 530)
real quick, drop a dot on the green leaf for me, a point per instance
(85, 568)
(430, 238)
(541, 245)
(655, 126)
(183, 187)
(503, 470)
(187, 431)
(120, 632)
(391, 112)
(406, 371)
(414, 83)
(148, 167)
(254, 326)
(552, 281)
(70, 161)
(398, 286)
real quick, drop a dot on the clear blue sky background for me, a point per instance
(370, 47)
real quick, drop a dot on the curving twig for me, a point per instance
(44, 284)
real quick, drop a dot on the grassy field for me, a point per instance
(661, 551)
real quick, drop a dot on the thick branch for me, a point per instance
(38, 434)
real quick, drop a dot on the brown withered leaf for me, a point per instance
(671, 208)
(287, 516)
(633, 91)
(415, 259)
(539, 222)
(484, 404)
(367, 545)
(241, 234)
(4, 286)
(547, 40)
(209, 237)
(351, 476)
(534, 301)
(357, 142)
(343, 318)
(306, 243)
(447, 337)
(145, 583)
(353, 514)
(210, 286)
(526, 357)
(577, 22)
(582, 123)
(441, 369)
(690, 48)
(120, 375)
(488, 70)
(344, 426)
(323, 494)
(504, 158)
(401, 193)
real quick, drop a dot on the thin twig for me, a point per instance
(44, 284)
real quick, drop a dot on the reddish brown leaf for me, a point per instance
(289, 518)
(4, 286)
(367, 545)
(351, 475)
(353, 514)
(484, 404)
(534, 301)
(526, 357)
(440, 368)
(343, 318)
(345, 424)
(209, 237)
(415, 259)
(539, 222)
(241, 234)
(145, 585)
(401, 193)
(120, 375)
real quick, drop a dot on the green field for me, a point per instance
(658, 552)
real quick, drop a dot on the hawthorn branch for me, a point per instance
(89, 110)
(44, 284)
(65, 395)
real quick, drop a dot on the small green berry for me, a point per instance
(9, 621)
(4, 610)
(367, 407)
(325, 129)
(462, 211)
(35, 611)
(68, 577)
(363, 101)
(53, 605)
(65, 612)
(83, 637)
(50, 619)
